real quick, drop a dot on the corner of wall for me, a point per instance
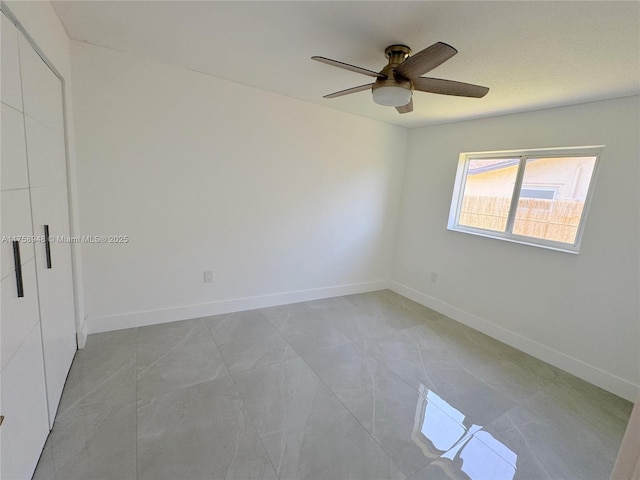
(393, 247)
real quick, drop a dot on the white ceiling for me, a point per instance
(531, 54)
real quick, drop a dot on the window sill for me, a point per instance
(540, 243)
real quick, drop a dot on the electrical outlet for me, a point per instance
(434, 277)
(208, 276)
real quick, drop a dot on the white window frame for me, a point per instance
(523, 155)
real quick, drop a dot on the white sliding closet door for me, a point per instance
(37, 328)
(23, 399)
(46, 158)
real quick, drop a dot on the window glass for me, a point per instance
(487, 193)
(554, 217)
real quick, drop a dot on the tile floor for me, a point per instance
(370, 386)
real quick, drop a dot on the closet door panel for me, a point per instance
(43, 106)
(38, 329)
(24, 406)
(23, 392)
(14, 156)
(46, 153)
(11, 91)
(41, 89)
(15, 221)
(55, 286)
(19, 314)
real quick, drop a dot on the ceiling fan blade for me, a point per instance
(426, 60)
(449, 87)
(361, 88)
(346, 66)
(406, 108)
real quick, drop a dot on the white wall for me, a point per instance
(44, 28)
(579, 312)
(283, 200)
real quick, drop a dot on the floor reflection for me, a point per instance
(441, 430)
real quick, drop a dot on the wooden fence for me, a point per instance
(556, 220)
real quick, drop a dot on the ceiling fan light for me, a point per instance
(391, 96)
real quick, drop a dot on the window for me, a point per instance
(536, 197)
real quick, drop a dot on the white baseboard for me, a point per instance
(120, 321)
(589, 373)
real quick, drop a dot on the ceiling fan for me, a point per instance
(395, 83)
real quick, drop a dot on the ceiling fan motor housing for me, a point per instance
(386, 91)
(396, 82)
